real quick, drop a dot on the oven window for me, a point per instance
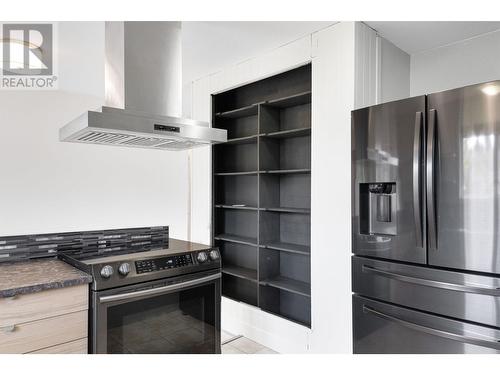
(182, 322)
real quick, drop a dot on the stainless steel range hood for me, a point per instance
(143, 93)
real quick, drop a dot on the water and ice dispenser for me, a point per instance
(378, 208)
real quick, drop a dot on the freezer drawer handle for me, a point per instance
(494, 344)
(434, 284)
(159, 290)
(417, 147)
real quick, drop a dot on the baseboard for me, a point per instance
(267, 329)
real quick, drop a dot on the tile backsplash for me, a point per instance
(14, 248)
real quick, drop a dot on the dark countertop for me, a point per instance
(36, 275)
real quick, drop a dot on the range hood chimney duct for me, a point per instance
(143, 93)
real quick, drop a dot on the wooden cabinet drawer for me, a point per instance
(35, 335)
(29, 307)
(73, 347)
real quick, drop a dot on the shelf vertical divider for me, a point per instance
(259, 131)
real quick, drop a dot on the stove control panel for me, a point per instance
(160, 264)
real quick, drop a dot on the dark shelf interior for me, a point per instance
(239, 260)
(236, 158)
(262, 193)
(236, 239)
(236, 189)
(244, 273)
(239, 289)
(284, 270)
(280, 119)
(242, 140)
(236, 207)
(285, 227)
(286, 191)
(249, 110)
(291, 100)
(290, 133)
(288, 171)
(236, 225)
(288, 209)
(236, 173)
(293, 306)
(285, 153)
(239, 127)
(288, 284)
(280, 86)
(290, 247)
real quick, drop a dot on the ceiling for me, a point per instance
(208, 47)
(417, 36)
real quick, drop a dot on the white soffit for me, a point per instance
(417, 36)
(208, 47)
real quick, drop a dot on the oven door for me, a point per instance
(177, 315)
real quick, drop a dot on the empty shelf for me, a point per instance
(287, 171)
(290, 247)
(242, 140)
(250, 110)
(239, 289)
(289, 209)
(235, 173)
(236, 239)
(236, 207)
(289, 133)
(244, 273)
(289, 285)
(292, 100)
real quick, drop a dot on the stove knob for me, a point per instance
(106, 272)
(124, 269)
(202, 257)
(214, 255)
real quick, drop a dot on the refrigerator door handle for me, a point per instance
(477, 289)
(417, 157)
(431, 209)
(492, 343)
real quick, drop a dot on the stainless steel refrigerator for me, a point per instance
(426, 223)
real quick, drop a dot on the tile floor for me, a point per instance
(243, 345)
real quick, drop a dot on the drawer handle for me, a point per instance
(489, 343)
(8, 329)
(491, 291)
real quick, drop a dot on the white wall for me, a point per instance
(464, 63)
(394, 72)
(49, 186)
(333, 52)
(80, 48)
(382, 70)
(366, 66)
(333, 99)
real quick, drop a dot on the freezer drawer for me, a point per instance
(381, 328)
(454, 294)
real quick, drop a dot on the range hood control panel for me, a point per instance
(166, 128)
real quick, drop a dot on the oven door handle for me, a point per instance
(159, 290)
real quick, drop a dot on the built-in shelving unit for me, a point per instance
(262, 193)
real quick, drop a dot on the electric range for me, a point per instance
(161, 300)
